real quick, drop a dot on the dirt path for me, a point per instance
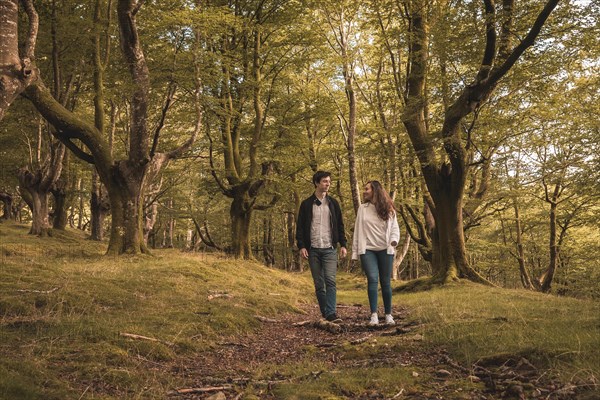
(225, 371)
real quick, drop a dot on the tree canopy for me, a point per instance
(199, 125)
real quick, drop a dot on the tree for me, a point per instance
(250, 56)
(124, 179)
(445, 176)
(341, 19)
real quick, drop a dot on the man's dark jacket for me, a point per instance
(305, 218)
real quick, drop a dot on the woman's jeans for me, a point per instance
(323, 266)
(378, 267)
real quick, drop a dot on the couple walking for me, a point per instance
(376, 233)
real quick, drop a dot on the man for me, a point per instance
(319, 230)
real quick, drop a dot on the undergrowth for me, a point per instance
(66, 311)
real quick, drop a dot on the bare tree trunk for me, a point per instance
(241, 214)
(7, 201)
(399, 257)
(150, 220)
(99, 207)
(548, 276)
(524, 273)
(268, 247)
(170, 228)
(297, 264)
(16, 72)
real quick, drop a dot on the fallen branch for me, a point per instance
(218, 295)
(360, 340)
(140, 337)
(321, 324)
(326, 345)
(265, 319)
(328, 326)
(37, 291)
(234, 344)
(303, 323)
(199, 390)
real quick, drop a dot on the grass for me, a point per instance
(493, 325)
(63, 307)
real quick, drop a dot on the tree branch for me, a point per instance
(33, 29)
(527, 42)
(163, 116)
(490, 40)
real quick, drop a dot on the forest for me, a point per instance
(154, 155)
(198, 125)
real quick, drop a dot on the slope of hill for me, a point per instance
(75, 324)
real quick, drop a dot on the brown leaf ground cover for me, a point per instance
(238, 364)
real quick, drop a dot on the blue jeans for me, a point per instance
(378, 267)
(323, 266)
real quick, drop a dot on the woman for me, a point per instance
(376, 234)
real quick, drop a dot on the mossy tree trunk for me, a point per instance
(126, 202)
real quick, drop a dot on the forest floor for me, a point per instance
(75, 324)
(230, 370)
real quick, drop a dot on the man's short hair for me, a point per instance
(320, 175)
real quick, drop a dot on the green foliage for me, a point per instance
(545, 106)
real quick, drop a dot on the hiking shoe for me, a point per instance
(374, 320)
(389, 320)
(333, 318)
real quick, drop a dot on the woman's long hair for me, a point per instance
(382, 201)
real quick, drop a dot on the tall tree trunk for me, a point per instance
(99, 208)
(241, 215)
(296, 264)
(62, 196)
(150, 220)
(81, 205)
(548, 276)
(126, 209)
(7, 202)
(268, 246)
(170, 228)
(520, 255)
(40, 224)
(399, 257)
(59, 210)
(126, 205)
(353, 176)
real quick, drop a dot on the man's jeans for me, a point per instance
(378, 267)
(323, 266)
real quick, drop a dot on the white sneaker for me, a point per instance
(389, 320)
(374, 320)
